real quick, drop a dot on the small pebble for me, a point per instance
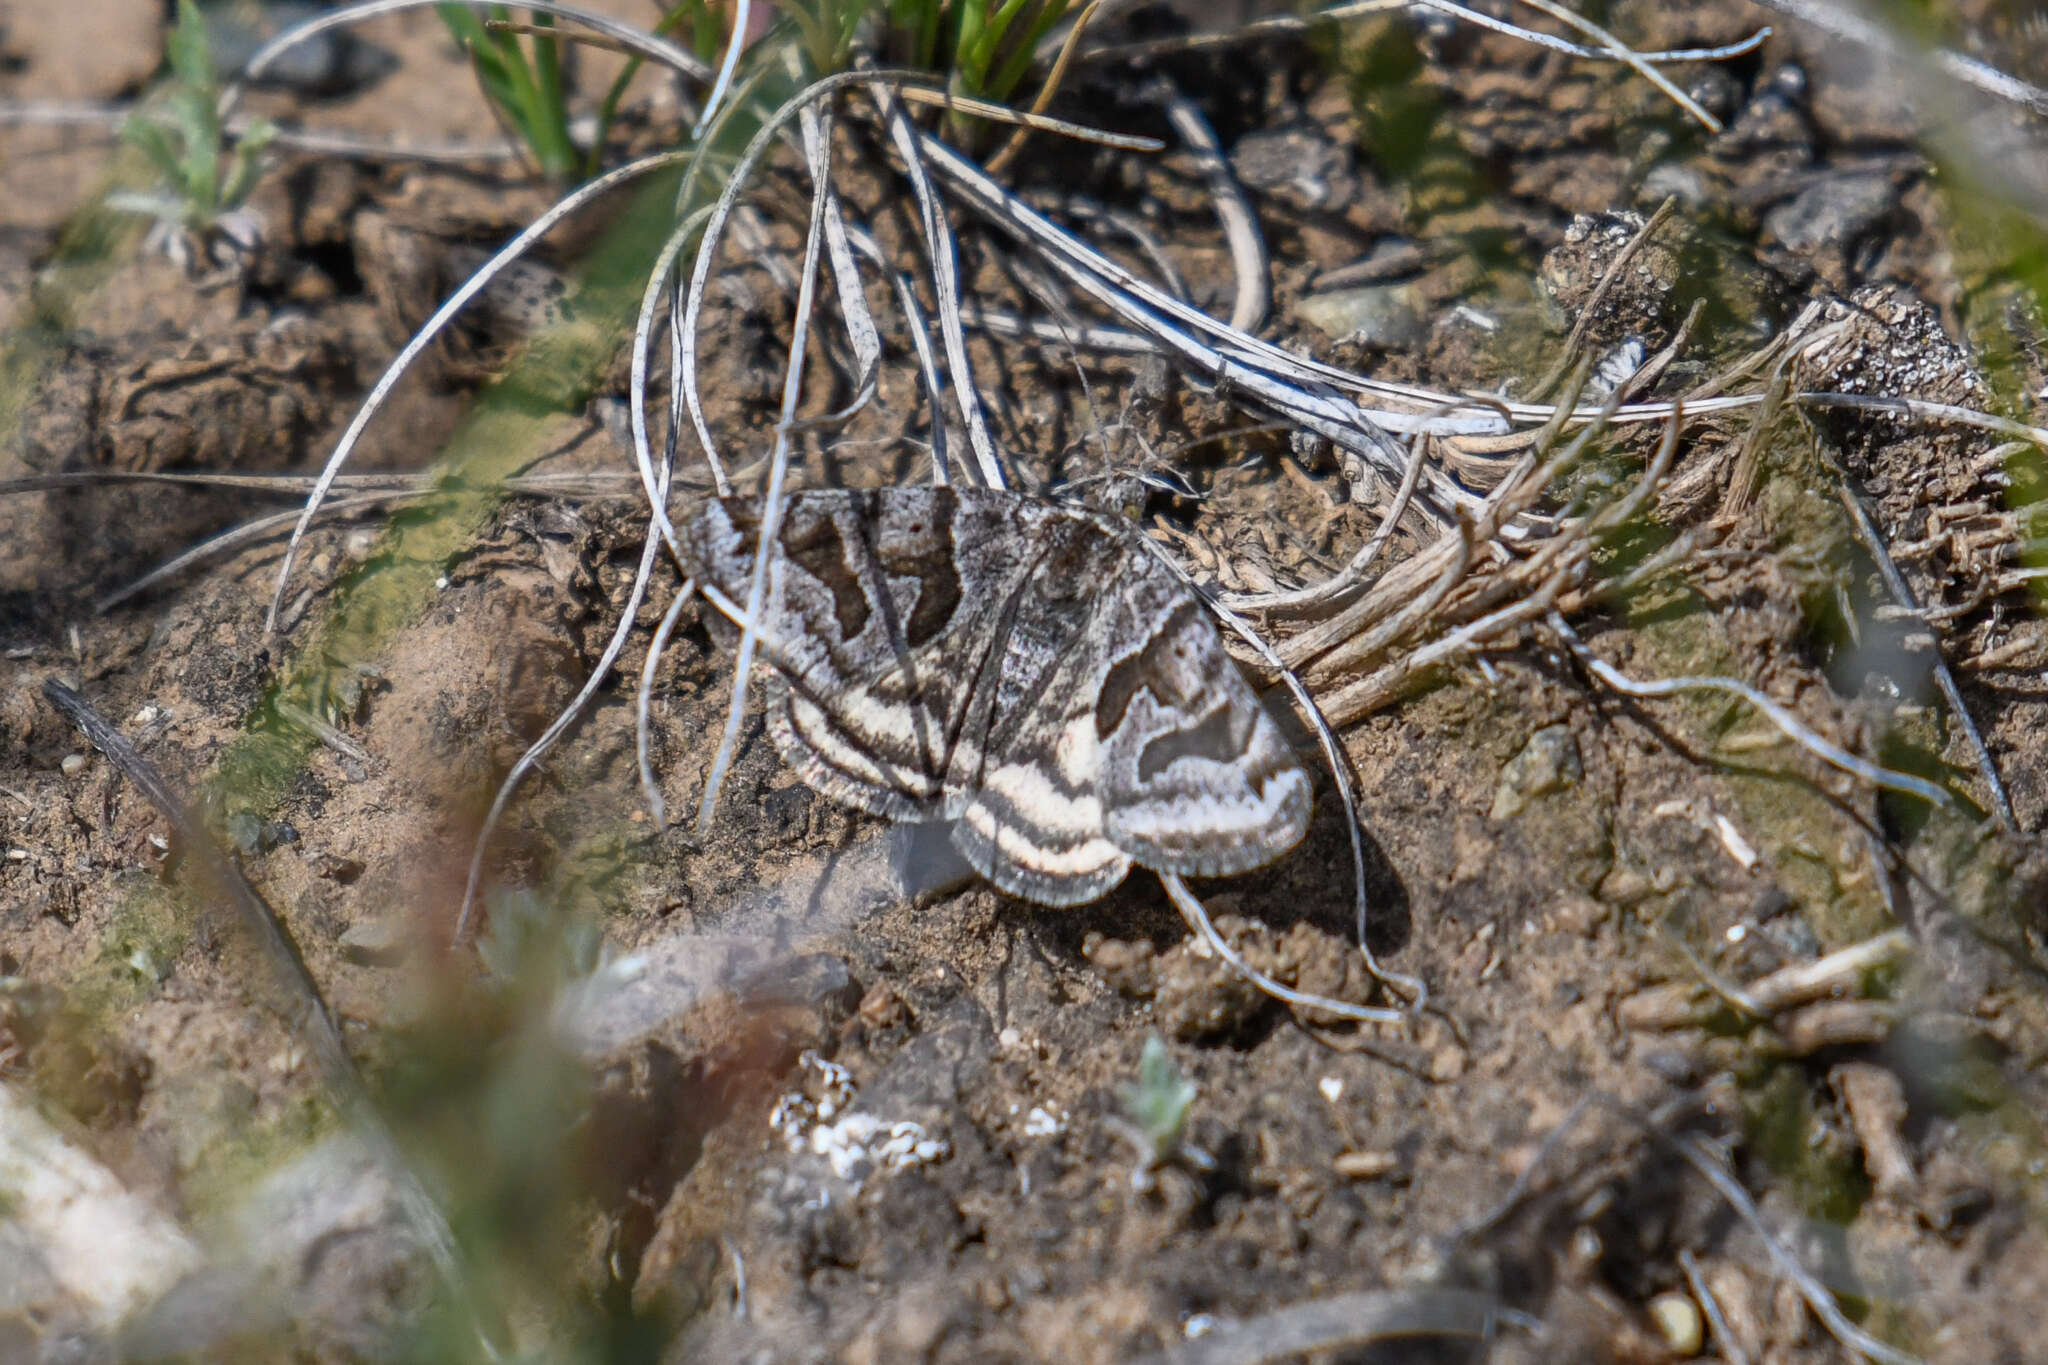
(1365, 1165)
(375, 942)
(1548, 763)
(73, 764)
(1678, 1318)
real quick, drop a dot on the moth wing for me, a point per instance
(864, 587)
(1032, 822)
(1197, 778)
(1027, 766)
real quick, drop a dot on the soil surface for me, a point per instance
(798, 1088)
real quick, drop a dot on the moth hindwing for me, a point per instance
(1024, 670)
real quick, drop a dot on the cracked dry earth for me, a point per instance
(831, 1100)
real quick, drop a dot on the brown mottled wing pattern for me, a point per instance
(1016, 667)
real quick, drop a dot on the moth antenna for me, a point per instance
(1198, 919)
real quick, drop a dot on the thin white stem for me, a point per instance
(817, 148)
(1810, 1289)
(722, 211)
(1254, 293)
(1197, 917)
(636, 392)
(630, 36)
(1339, 766)
(1623, 53)
(944, 258)
(643, 707)
(423, 338)
(650, 551)
(742, 11)
(1794, 728)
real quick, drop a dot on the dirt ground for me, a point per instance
(654, 1161)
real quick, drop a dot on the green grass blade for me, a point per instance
(1020, 59)
(557, 150)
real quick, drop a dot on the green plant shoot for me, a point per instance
(1158, 1104)
(524, 85)
(202, 179)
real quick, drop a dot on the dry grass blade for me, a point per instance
(817, 152)
(1008, 152)
(649, 553)
(943, 257)
(1929, 412)
(251, 532)
(1340, 645)
(636, 390)
(1794, 729)
(218, 877)
(1290, 24)
(1717, 1321)
(1658, 1124)
(1338, 764)
(319, 729)
(1198, 920)
(1810, 1289)
(1357, 635)
(1256, 369)
(932, 383)
(423, 338)
(1576, 341)
(315, 141)
(644, 704)
(1318, 598)
(1253, 295)
(1851, 24)
(742, 13)
(722, 212)
(1627, 55)
(1895, 584)
(933, 97)
(628, 35)
(854, 315)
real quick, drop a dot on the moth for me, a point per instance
(1022, 669)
